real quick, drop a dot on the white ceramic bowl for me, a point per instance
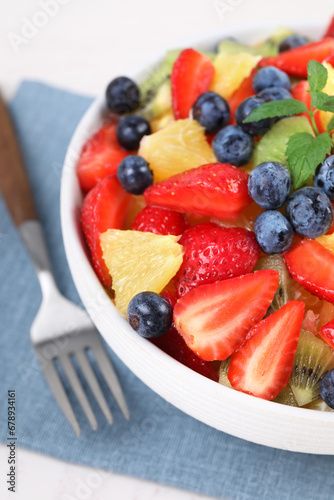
(233, 412)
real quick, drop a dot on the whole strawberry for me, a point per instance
(213, 253)
(160, 221)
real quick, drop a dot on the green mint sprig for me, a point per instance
(304, 151)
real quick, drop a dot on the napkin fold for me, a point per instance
(159, 442)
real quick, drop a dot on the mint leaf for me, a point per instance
(318, 99)
(284, 107)
(317, 75)
(330, 126)
(328, 105)
(322, 101)
(304, 153)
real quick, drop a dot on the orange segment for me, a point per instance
(230, 72)
(139, 262)
(181, 145)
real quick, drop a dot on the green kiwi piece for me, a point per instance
(272, 146)
(285, 290)
(161, 102)
(313, 359)
(266, 49)
(286, 397)
(223, 369)
(318, 404)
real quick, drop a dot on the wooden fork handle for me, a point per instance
(13, 179)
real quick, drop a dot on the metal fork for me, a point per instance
(61, 330)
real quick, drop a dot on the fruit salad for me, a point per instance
(208, 212)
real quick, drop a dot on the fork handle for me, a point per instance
(13, 180)
(16, 192)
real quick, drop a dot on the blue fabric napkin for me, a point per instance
(159, 443)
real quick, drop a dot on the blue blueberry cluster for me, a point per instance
(149, 314)
(309, 210)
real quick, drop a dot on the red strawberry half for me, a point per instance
(215, 319)
(173, 344)
(192, 74)
(294, 61)
(216, 189)
(312, 266)
(160, 221)
(213, 253)
(100, 156)
(262, 366)
(104, 207)
(327, 334)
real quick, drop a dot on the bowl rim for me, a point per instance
(93, 295)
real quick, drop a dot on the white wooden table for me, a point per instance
(81, 46)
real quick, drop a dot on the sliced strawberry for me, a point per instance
(300, 91)
(192, 74)
(245, 90)
(262, 366)
(100, 156)
(160, 221)
(327, 334)
(215, 319)
(312, 266)
(330, 29)
(104, 207)
(173, 344)
(213, 253)
(215, 189)
(294, 62)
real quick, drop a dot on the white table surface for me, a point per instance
(82, 46)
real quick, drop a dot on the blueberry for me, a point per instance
(131, 130)
(310, 212)
(274, 94)
(233, 145)
(270, 77)
(122, 95)
(324, 177)
(327, 388)
(134, 175)
(244, 109)
(269, 185)
(149, 314)
(273, 232)
(211, 111)
(292, 42)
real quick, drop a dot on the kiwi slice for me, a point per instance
(223, 369)
(266, 49)
(318, 404)
(313, 359)
(286, 397)
(285, 290)
(272, 145)
(161, 102)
